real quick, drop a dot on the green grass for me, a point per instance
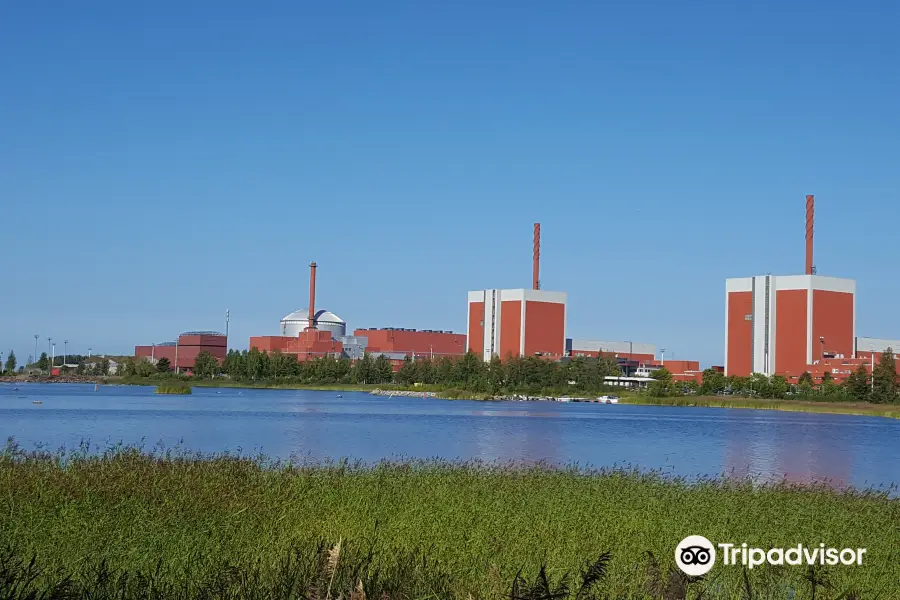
(843, 408)
(414, 530)
(174, 387)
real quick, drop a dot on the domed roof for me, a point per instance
(321, 316)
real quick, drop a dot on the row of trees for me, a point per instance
(469, 372)
(880, 387)
(517, 375)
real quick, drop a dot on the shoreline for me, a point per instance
(861, 409)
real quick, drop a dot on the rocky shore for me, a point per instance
(45, 379)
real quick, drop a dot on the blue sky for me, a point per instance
(163, 162)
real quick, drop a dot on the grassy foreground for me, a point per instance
(866, 409)
(129, 525)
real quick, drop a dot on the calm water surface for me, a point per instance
(692, 442)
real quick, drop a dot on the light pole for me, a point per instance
(35, 357)
(65, 350)
(53, 360)
(49, 352)
(89, 352)
(227, 320)
(662, 356)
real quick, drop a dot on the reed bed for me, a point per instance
(864, 409)
(129, 524)
(174, 387)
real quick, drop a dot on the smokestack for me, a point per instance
(535, 280)
(312, 296)
(810, 218)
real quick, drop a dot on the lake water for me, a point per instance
(691, 442)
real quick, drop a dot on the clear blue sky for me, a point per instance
(162, 162)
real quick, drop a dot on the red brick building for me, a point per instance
(518, 322)
(632, 351)
(780, 325)
(310, 344)
(412, 342)
(182, 353)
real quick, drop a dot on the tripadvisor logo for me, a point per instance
(695, 555)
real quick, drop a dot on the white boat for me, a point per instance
(610, 399)
(563, 399)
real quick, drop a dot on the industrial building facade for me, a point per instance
(181, 354)
(781, 325)
(635, 351)
(518, 322)
(414, 343)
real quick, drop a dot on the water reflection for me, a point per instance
(763, 445)
(791, 447)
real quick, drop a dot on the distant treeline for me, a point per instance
(467, 372)
(519, 375)
(880, 387)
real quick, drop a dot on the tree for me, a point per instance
(779, 386)
(364, 369)
(103, 367)
(805, 378)
(857, 384)
(829, 388)
(11, 362)
(235, 364)
(713, 382)
(205, 365)
(663, 384)
(496, 376)
(43, 362)
(884, 379)
(162, 365)
(384, 372)
(142, 367)
(407, 372)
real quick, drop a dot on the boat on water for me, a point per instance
(36, 402)
(610, 399)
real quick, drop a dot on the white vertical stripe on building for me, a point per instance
(486, 330)
(809, 321)
(773, 317)
(727, 298)
(522, 328)
(759, 324)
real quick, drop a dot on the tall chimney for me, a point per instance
(810, 218)
(312, 296)
(535, 279)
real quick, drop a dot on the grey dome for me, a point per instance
(298, 320)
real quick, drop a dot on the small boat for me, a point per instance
(339, 396)
(36, 402)
(563, 399)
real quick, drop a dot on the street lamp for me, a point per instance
(35, 357)
(65, 350)
(49, 352)
(53, 360)
(662, 356)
